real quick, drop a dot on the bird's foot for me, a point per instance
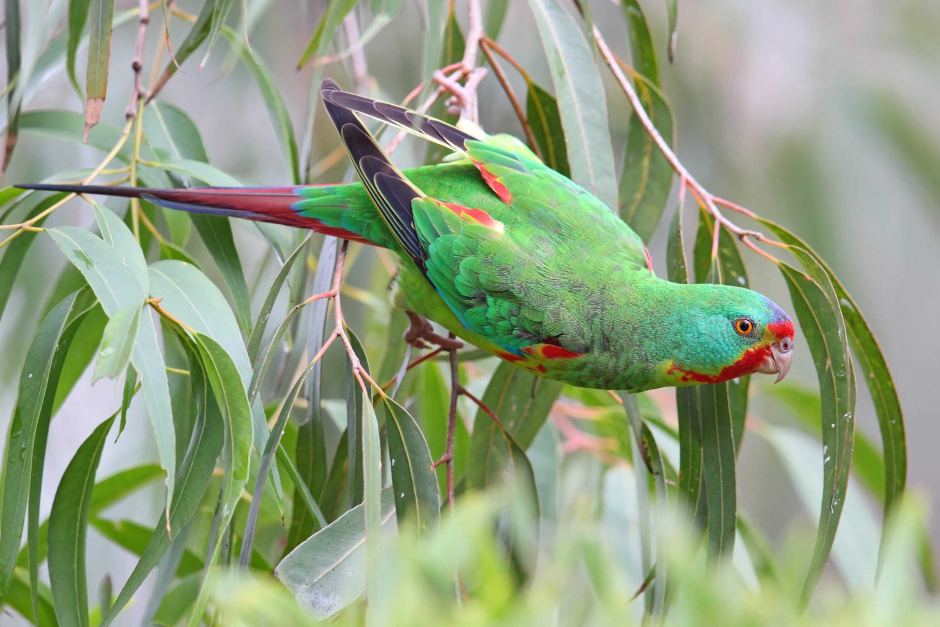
(420, 334)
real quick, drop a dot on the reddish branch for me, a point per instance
(485, 44)
(705, 199)
(137, 63)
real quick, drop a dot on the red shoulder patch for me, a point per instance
(475, 215)
(494, 183)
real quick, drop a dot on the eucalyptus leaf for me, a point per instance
(578, 86)
(326, 572)
(68, 524)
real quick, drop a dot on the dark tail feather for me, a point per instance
(262, 204)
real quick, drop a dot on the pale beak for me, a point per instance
(778, 362)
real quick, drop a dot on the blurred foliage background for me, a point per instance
(818, 116)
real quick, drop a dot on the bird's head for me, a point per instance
(727, 332)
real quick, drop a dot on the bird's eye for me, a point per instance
(743, 326)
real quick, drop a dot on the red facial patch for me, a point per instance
(649, 258)
(781, 329)
(494, 183)
(476, 215)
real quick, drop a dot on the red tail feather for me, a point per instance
(262, 204)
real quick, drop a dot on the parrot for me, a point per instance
(513, 257)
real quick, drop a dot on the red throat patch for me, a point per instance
(746, 364)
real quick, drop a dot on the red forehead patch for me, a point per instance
(781, 329)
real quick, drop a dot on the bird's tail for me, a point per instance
(278, 205)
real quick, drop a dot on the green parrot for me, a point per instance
(513, 257)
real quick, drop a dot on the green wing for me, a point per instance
(520, 266)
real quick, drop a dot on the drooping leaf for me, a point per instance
(852, 548)
(78, 16)
(542, 113)
(521, 403)
(642, 53)
(326, 572)
(14, 58)
(328, 24)
(15, 253)
(688, 402)
(413, 479)
(718, 468)
(578, 88)
(26, 442)
(117, 343)
(821, 320)
(100, 19)
(194, 475)
(877, 378)
(112, 277)
(68, 524)
(646, 178)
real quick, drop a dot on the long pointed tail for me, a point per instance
(277, 205)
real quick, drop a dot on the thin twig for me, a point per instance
(705, 198)
(448, 457)
(137, 63)
(507, 88)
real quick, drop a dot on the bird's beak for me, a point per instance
(778, 361)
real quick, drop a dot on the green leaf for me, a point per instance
(134, 538)
(274, 101)
(11, 31)
(117, 343)
(326, 27)
(672, 16)
(78, 15)
(229, 391)
(112, 277)
(877, 378)
(821, 321)
(578, 88)
(646, 179)
(521, 402)
(216, 234)
(852, 549)
(267, 459)
(493, 17)
(326, 572)
(642, 54)
(688, 402)
(100, 18)
(194, 475)
(192, 298)
(26, 442)
(413, 480)
(264, 314)
(68, 522)
(19, 598)
(16, 252)
(545, 122)
(718, 468)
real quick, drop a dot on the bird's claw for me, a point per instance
(420, 334)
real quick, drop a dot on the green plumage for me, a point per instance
(538, 262)
(514, 257)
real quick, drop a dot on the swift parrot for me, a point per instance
(513, 257)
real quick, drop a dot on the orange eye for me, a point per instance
(743, 326)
